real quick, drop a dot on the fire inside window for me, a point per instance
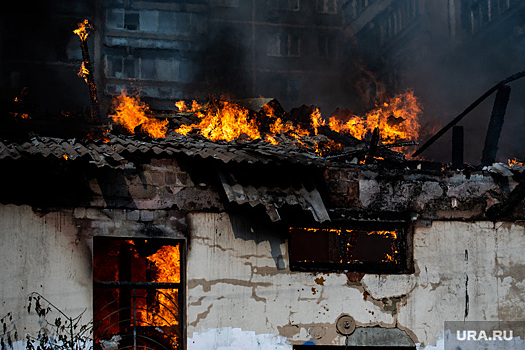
(137, 294)
(372, 249)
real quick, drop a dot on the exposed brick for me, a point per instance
(171, 178)
(183, 179)
(162, 163)
(158, 178)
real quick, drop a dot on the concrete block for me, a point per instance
(146, 215)
(133, 215)
(79, 213)
(148, 21)
(95, 214)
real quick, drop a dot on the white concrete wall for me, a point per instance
(42, 253)
(241, 294)
(238, 290)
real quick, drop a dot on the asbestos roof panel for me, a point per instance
(118, 149)
(273, 198)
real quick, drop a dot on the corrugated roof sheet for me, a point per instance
(275, 197)
(116, 151)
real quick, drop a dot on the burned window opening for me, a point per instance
(369, 247)
(137, 294)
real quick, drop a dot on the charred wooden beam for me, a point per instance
(467, 111)
(365, 150)
(457, 146)
(373, 145)
(495, 125)
(337, 137)
(87, 69)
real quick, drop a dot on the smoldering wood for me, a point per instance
(467, 111)
(457, 146)
(95, 107)
(337, 137)
(495, 125)
(380, 148)
(373, 145)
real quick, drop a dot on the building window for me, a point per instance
(131, 20)
(327, 6)
(372, 248)
(289, 5)
(284, 45)
(137, 293)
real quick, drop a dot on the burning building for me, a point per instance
(242, 223)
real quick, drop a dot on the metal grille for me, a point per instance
(137, 315)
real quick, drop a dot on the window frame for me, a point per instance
(133, 286)
(404, 245)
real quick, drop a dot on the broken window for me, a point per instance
(137, 294)
(372, 248)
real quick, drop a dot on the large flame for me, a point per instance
(131, 112)
(224, 120)
(397, 119)
(83, 29)
(166, 263)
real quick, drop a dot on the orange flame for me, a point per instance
(20, 115)
(224, 120)
(397, 119)
(82, 30)
(514, 161)
(181, 105)
(166, 263)
(132, 112)
(83, 72)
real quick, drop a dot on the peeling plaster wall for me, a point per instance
(239, 283)
(42, 253)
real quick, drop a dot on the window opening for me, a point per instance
(137, 293)
(352, 247)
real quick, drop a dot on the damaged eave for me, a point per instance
(291, 191)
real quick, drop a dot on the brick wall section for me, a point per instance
(343, 185)
(152, 201)
(433, 196)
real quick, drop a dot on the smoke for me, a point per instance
(449, 53)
